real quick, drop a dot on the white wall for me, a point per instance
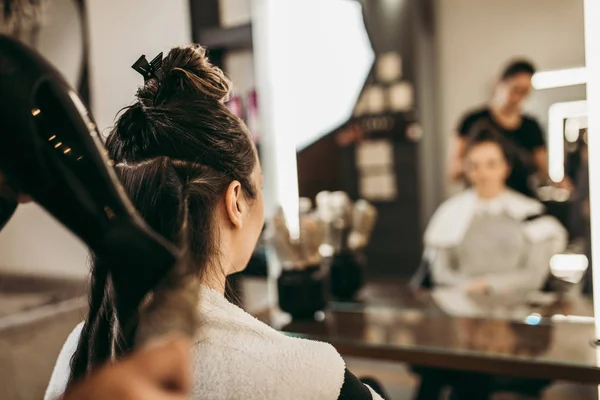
(476, 38)
(235, 12)
(120, 31)
(239, 66)
(300, 99)
(34, 243)
(60, 43)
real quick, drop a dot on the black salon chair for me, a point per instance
(421, 279)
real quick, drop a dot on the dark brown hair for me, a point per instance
(489, 135)
(176, 150)
(516, 67)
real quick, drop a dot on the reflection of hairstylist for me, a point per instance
(505, 114)
(158, 373)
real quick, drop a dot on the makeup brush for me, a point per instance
(322, 205)
(288, 251)
(341, 209)
(364, 216)
(325, 216)
(341, 206)
(311, 233)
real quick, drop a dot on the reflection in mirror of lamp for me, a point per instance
(401, 96)
(569, 267)
(375, 99)
(374, 153)
(557, 113)
(573, 127)
(414, 132)
(389, 67)
(375, 164)
(378, 186)
(559, 78)
(551, 193)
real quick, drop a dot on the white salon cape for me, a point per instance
(238, 357)
(506, 241)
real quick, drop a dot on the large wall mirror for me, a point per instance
(435, 62)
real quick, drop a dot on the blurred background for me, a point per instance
(358, 110)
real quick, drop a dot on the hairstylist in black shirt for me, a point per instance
(523, 134)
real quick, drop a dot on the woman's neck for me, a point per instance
(216, 281)
(506, 118)
(499, 109)
(490, 194)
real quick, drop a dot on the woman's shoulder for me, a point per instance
(235, 350)
(451, 220)
(272, 350)
(523, 207)
(267, 369)
(459, 200)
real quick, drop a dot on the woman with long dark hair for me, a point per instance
(190, 168)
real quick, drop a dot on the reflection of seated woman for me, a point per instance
(489, 237)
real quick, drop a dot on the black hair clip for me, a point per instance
(149, 70)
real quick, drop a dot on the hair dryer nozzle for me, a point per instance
(50, 149)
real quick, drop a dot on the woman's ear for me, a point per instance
(234, 203)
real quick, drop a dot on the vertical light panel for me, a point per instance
(559, 78)
(120, 32)
(557, 113)
(312, 58)
(592, 55)
(274, 76)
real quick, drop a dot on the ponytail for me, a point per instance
(176, 150)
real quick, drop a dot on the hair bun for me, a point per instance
(128, 140)
(148, 93)
(188, 69)
(149, 127)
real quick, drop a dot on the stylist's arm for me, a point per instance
(160, 372)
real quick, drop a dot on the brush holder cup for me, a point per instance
(346, 275)
(301, 292)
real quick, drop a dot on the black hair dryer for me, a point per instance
(50, 149)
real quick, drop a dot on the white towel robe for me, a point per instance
(238, 357)
(544, 236)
